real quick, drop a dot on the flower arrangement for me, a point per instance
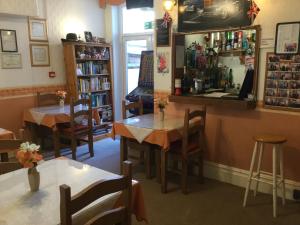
(28, 155)
(61, 95)
(162, 103)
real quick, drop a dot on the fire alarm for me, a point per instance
(52, 74)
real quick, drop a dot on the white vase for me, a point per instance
(61, 102)
(33, 179)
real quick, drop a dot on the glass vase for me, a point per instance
(161, 115)
(33, 179)
(61, 102)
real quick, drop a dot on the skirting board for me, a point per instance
(239, 177)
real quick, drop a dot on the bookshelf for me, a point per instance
(90, 75)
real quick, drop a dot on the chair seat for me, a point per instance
(271, 139)
(79, 129)
(176, 147)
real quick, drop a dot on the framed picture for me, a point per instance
(287, 38)
(37, 29)
(282, 82)
(163, 33)
(11, 60)
(88, 36)
(8, 41)
(163, 62)
(39, 55)
(207, 14)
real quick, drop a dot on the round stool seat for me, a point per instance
(271, 139)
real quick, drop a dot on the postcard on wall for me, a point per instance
(287, 38)
(163, 62)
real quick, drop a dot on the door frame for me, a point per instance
(131, 37)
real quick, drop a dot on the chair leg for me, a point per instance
(200, 168)
(250, 174)
(282, 174)
(274, 181)
(261, 149)
(158, 164)
(142, 157)
(184, 175)
(56, 142)
(73, 147)
(91, 144)
(123, 152)
(164, 166)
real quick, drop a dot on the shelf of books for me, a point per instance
(89, 75)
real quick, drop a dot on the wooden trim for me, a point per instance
(19, 91)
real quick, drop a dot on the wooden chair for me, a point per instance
(46, 99)
(7, 146)
(6, 167)
(122, 215)
(78, 132)
(133, 144)
(190, 147)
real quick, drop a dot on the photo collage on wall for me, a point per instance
(282, 85)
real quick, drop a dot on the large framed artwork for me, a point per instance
(210, 14)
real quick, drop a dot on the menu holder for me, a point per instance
(163, 34)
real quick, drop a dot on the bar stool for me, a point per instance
(277, 142)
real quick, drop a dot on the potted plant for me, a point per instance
(28, 155)
(161, 104)
(61, 97)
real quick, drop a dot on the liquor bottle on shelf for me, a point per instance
(223, 42)
(185, 82)
(240, 39)
(228, 41)
(230, 78)
(235, 40)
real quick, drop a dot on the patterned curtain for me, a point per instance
(103, 3)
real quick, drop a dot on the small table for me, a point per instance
(150, 128)
(50, 116)
(20, 206)
(5, 134)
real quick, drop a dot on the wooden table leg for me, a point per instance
(56, 142)
(123, 152)
(157, 162)
(163, 170)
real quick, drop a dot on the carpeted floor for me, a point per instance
(212, 203)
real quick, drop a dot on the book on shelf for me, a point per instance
(83, 85)
(90, 68)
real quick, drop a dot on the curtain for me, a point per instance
(131, 4)
(103, 3)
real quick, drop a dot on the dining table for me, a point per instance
(51, 116)
(18, 205)
(150, 128)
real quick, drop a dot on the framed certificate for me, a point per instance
(11, 60)
(8, 40)
(287, 38)
(39, 54)
(37, 29)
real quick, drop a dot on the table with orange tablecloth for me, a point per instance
(151, 129)
(5, 134)
(50, 116)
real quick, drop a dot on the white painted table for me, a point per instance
(20, 206)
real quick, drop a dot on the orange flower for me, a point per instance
(28, 155)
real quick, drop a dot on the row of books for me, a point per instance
(89, 68)
(98, 100)
(95, 84)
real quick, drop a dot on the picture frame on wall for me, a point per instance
(163, 33)
(287, 38)
(11, 60)
(37, 29)
(39, 55)
(8, 40)
(88, 36)
(206, 15)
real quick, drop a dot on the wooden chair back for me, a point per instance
(194, 132)
(6, 167)
(137, 106)
(78, 109)
(122, 215)
(7, 146)
(46, 99)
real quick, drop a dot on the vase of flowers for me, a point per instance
(61, 97)
(162, 103)
(28, 155)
